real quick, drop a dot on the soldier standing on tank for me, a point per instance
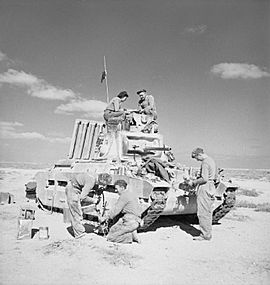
(77, 192)
(114, 108)
(205, 192)
(125, 230)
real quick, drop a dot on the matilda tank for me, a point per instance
(122, 149)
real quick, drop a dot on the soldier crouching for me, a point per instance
(125, 230)
(77, 192)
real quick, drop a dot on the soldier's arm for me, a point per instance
(88, 186)
(151, 101)
(204, 175)
(139, 107)
(119, 206)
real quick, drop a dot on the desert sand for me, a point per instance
(239, 252)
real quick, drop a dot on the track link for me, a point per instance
(154, 211)
(225, 207)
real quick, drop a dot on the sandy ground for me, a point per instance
(239, 252)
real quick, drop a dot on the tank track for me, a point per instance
(156, 208)
(225, 207)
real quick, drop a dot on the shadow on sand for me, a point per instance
(183, 222)
(88, 229)
(34, 231)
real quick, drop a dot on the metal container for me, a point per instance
(43, 232)
(24, 228)
(27, 213)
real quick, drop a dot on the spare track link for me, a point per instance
(156, 208)
(225, 207)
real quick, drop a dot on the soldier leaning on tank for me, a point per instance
(155, 166)
(114, 108)
(125, 230)
(77, 192)
(205, 192)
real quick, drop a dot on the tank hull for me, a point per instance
(120, 153)
(51, 186)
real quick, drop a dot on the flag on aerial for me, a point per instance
(103, 76)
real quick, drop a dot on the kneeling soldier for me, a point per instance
(125, 230)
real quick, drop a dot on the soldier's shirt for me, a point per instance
(127, 203)
(208, 173)
(208, 169)
(114, 104)
(84, 182)
(147, 104)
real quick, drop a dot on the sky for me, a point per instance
(207, 64)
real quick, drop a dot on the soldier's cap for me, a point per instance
(141, 91)
(104, 179)
(196, 151)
